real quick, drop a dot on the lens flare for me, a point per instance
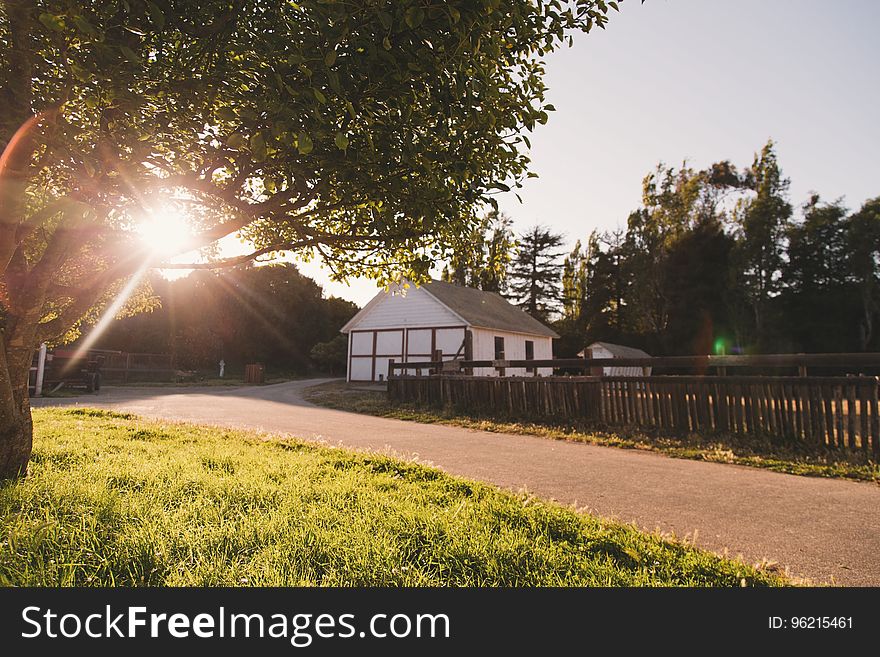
(166, 231)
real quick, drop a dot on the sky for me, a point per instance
(702, 81)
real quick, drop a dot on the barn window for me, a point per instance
(499, 348)
(530, 354)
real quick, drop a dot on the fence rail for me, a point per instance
(699, 363)
(833, 412)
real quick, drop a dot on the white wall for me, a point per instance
(413, 307)
(514, 349)
(601, 352)
(424, 324)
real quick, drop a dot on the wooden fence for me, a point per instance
(834, 412)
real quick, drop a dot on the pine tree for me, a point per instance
(535, 275)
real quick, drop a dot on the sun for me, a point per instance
(165, 231)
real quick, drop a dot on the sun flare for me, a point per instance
(165, 231)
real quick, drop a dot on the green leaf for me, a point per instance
(258, 147)
(52, 22)
(304, 143)
(455, 15)
(330, 58)
(236, 140)
(320, 97)
(130, 54)
(156, 14)
(79, 72)
(414, 17)
(84, 26)
(386, 43)
(386, 19)
(341, 141)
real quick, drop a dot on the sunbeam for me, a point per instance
(110, 312)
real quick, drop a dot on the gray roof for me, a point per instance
(619, 350)
(486, 309)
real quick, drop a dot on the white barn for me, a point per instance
(611, 350)
(411, 323)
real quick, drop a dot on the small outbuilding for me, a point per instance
(610, 350)
(409, 324)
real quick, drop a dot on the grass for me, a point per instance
(792, 458)
(209, 381)
(116, 500)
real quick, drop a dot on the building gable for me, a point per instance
(411, 307)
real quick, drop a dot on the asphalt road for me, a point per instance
(824, 530)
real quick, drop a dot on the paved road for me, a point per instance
(825, 530)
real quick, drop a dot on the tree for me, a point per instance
(480, 260)
(697, 277)
(534, 279)
(864, 264)
(760, 226)
(819, 300)
(574, 283)
(270, 314)
(331, 356)
(364, 133)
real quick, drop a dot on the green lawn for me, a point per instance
(116, 500)
(792, 458)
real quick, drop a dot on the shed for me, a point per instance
(610, 350)
(409, 323)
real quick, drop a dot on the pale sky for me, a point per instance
(702, 80)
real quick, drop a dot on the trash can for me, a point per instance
(254, 373)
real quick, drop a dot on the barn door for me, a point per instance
(371, 351)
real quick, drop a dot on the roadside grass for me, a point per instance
(116, 500)
(208, 382)
(792, 458)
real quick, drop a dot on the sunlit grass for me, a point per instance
(789, 457)
(113, 499)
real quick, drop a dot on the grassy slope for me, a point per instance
(792, 459)
(113, 499)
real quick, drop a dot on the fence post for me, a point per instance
(390, 369)
(41, 371)
(468, 349)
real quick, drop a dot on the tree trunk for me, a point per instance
(16, 425)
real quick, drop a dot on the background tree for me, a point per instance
(331, 356)
(366, 133)
(480, 260)
(534, 279)
(270, 314)
(863, 245)
(760, 227)
(818, 289)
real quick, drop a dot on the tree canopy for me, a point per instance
(368, 133)
(714, 261)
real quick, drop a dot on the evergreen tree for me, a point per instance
(535, 274)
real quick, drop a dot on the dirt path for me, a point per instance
(824, 529)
